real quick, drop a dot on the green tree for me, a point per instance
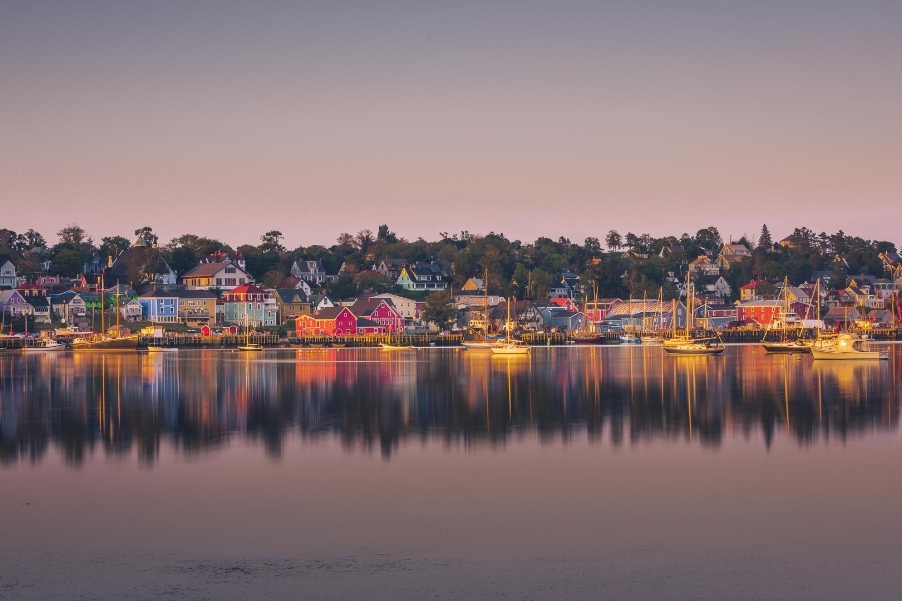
(765, 242)
(271, 242)
(146, 234)
(440, 310)
(613, 240)
(67, 263)
(110, 246)
(73, 236)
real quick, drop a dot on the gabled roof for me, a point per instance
(291, 295)
(209, 269)
(368, 306)
(329, 312)
(246, 289)
(4, 259)
(159, 293)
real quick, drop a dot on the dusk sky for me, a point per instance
(229, 119)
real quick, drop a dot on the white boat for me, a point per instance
(696, 347)
(44, 345)
(385, 346)
(629, 339)
(477, 346)
(155, 348)
(652, 339)
(846, 347)
(509, 346)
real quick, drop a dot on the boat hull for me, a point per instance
(110, 344)
(55, 348)
(833, 355)
(692, 349)
(785, 347)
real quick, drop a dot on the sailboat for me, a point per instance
(784, 345)
(687, 345)
(509, 346)
(655, 337)
(247, 346)
(103, 341)
(630, 337)
(484, 344)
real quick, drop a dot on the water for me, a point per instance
(577, 473)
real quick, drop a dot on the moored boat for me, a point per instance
(105, 343)
(846, 347)
(44, 345)
(155, 348)
(696, 347)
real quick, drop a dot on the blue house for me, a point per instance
(159, 306)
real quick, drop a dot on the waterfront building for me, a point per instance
(249, 304)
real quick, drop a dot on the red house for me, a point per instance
(330, 321)
(381, 312)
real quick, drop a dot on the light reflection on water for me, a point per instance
(373, 401)
(576, 473)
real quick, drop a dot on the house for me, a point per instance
(159, 305)
(223, 275)
(391, 268)
(714, 285)
(769, 312)
(8, 277)
(12, 303)
(558, 317)
(196, 307)
(69, 308)
(291, 303)
(716, 318)
(249, 304)
(140, 264)
(129, 308)
(596, 310)
(40, 307)
(524, 315)
(473, 285)
(840, 317)
(646, 314)
(235, 258)
(669, 249)
(749, 292)
(704, 266)
(335, 321)
(312, 272)
(423, 277)
(565, 303)
(408, 308)
(379, 311)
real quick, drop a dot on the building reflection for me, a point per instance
(372, 401)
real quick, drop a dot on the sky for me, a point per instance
(230, 119)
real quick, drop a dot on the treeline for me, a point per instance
(620, 266)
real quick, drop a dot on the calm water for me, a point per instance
(577, 473)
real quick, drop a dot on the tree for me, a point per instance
(271, 242)
(110, 246)
(440, 310)
(385, 235)
(363, 239)
(182, 260)
(72, 236)
(592, 246)
(273, 278)
(67, 263)
(32, 239)
(709, 238)
(613, 240)
(765, 242)
(146, 234)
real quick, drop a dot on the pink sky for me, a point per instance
(527, 119)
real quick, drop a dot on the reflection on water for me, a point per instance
(199, 400)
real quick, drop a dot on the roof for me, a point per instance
(207, 269)
(291, 295)
(366, 307)
(194, 294)
(4, 259)
(159, 293)
(37, 301)
(246, 289)
(328, 312)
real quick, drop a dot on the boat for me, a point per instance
(846, 346)
(509, 346)
(783, 345)
(655, 336)
(44, 345)
(101, 342)
(247, 346)
(478, 345)
(696, 347)
(155, 348)
(686, 344)
(395, 346)
(629, 338)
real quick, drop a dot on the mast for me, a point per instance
(102, 323)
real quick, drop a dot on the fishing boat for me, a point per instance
(396, 345)
(44, 345)
(846, 346)
(103, 342)
(247, 346)
(509, 346)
